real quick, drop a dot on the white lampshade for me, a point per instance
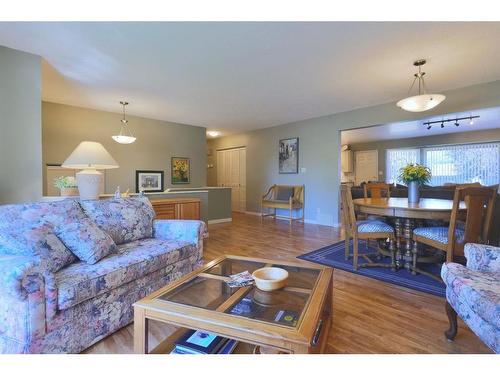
(421, 103)
(90, 155)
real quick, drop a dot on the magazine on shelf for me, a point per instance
(199, 342)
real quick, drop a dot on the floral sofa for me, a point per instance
(70, 271)
(473, 292)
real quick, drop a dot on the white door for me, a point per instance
(231, 172)
(220, 168)
(243, 179)
(366, 166)
(234, 178)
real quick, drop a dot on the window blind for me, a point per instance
(397, 159)
(464, 163)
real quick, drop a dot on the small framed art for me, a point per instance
(149, 181)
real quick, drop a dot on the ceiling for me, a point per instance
(489, 119)
(234, 77)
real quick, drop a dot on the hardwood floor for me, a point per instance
(369, 316)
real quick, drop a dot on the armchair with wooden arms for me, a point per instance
(285, 197)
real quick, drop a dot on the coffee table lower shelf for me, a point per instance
(167, 345)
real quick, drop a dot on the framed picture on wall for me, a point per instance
(289, 155)
(149, 181)
(181, 170)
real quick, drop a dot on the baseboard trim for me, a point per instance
(307, 221)
(217, 221)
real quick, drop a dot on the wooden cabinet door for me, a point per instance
(188, 211)
(165, 211)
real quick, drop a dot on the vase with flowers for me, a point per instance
(414, 175)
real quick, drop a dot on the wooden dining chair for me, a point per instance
(479, 203)
(377, 190)
(364, 229)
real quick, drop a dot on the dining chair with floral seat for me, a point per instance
(470, 226)
(364, 229)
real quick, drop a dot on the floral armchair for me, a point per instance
(473, 293)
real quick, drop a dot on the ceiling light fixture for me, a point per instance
(455, 121)
(423, 101)
(125, 137)
(213, 133)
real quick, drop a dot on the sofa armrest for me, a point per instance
(192, 231)
(19, 275)
(483, 258)
(23, 305)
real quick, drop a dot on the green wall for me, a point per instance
(20, 127)
(64, 127)
(319, 149)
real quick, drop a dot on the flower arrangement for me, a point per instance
(65, 182)
(415, 173)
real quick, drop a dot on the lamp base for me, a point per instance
(89, 182)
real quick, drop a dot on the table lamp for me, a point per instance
(89, 156)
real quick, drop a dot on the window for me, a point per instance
(464, 163)
(397, 159)
(456, 164)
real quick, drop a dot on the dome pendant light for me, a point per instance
(125, 137)
(423, 101)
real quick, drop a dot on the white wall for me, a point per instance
(20, 127)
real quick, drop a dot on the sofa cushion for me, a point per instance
(479, 290)
(28, 230)
(86, 240)
(125, 219)
(82, 281)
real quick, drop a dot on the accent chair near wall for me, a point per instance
(284, 197)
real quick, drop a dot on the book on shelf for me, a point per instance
(199, 342)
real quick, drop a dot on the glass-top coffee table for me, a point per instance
(295, 319)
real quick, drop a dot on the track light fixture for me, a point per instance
(455, 121)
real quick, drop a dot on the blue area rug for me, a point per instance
(333, 256)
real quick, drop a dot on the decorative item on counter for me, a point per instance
(270, 278)
(414, 175)
(67, 185)
(126, 194)
(141, 194)
(117, 194)
(150, 181)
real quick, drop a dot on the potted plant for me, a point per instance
(67, 185)
(414, 175)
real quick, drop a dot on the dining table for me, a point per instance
(408, 216)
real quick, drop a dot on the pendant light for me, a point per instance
(423, 101)
(125, 137)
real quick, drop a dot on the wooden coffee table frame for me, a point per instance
(309, 336)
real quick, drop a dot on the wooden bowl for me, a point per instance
(270, 278)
